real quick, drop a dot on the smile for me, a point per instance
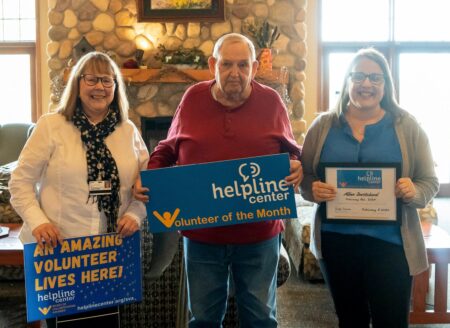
(98, 96)
(365, 93)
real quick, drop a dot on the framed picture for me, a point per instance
(365, 193)
(180, 10)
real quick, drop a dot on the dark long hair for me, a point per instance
(388, 102)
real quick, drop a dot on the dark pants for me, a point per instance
(369, 280)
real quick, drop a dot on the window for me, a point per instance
(415, 38)
(18, 61)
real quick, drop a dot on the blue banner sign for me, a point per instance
(362, 179)
(219, 193)
(82, 274)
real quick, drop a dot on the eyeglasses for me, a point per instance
(360, 77)
(92, 80)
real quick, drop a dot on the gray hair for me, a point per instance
(234, 38)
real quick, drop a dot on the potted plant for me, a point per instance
(181, 57)
(264, 34)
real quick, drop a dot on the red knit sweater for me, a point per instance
(203, 130)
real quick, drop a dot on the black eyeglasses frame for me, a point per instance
(360, 77)
(98, 78)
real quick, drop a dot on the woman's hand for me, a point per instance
(126, 226)
(296, 174)
(405, 189)
(49, 233)
(323, 192)
(139, 192)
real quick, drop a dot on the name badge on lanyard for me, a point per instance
(102, 187)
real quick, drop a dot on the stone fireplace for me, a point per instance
(166, 86)
(111, 26)
(154, 129)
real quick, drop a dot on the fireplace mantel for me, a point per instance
(165, 75)
(175, 75)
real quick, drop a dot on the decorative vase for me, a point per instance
(265, 59)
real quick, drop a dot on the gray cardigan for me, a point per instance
(417, 163)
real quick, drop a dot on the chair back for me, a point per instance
(12, 139)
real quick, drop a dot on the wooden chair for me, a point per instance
(11, 254)
(437, 242)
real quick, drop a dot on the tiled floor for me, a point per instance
(303, 304)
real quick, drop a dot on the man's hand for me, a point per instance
(296, 174)
(323, 192)
(49, 233)
(139, 192)
(404, 189)
(127, 226)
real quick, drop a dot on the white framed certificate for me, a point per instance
(365, 192)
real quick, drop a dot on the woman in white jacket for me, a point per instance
(75, 174)
(76, 171)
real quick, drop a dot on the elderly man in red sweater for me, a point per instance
(230, 117)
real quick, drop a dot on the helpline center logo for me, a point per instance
(362, 179)
(251, 187)
(246, 187)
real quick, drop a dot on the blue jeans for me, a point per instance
(251, 267)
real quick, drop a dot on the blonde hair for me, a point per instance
(97, 62)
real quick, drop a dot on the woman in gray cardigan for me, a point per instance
(369, 267)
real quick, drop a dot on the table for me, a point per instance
(437, 242)
(11, 252)
(11, 249)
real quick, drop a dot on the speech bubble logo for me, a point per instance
(255, 170)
